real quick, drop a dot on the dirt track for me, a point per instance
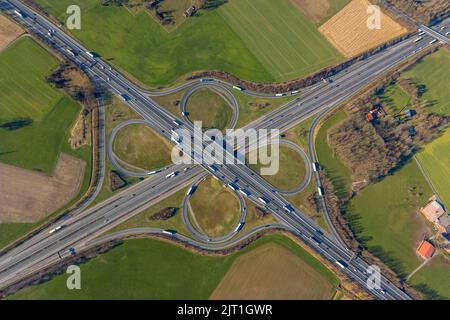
(29, 196)
(348, 31)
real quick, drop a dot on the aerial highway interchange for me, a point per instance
(81, 230)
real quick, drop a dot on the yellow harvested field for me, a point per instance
(272, 272)
(9, 31)
(348, 30)
(29, 196)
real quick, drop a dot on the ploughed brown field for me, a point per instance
(348, 31)
(272, 272)
(29, 196)
(9, 31)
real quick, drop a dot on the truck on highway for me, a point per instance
(279, 95)
(18, 13)
(171, 175)
(191, 191)
(71, 52)
(213, 168)
(232, 186)
(320, 191)
(177, 122)
(151, 172)
(239, 227)
(341, 264)
(55, 229)
(417, 39)
(432, 41)
(295, 91)
(316, 240)
(263, 201)
(288, 208)
(90, 54)
(245, 192)
(205, 79)
(169, 232)
(238, 88)
(315, 166)
(125, 97)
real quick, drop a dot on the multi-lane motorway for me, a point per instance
(45, 249)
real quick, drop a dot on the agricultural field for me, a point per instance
(9, 31)
(138, 45)
(35, 124)
(286, 43)
(140, 146)
(210, 108)
(348, 31)
(30, 196)
(214, 208)
(240, 43)
(385, 217)
(292, 169)
(319, 11)
(153, 269)
(34, 117)
(252, 276)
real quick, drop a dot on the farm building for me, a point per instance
(443, 224)
(433, 211)
(425, 250)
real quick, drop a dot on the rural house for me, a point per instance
(433, 211)
(425, 250)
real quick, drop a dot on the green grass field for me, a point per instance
(432, 71)
(435, 161)
(152, 269)
(215, 208)
(395, 100)
(384, 217)
(435, 156)
(26, 94)
(292, 169)
(339, 174)
(433, 279)
(141, 220)
(210, 108)
(273, 43)
(141, 146)
(283, 40)
(138, 44)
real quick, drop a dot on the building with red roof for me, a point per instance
(425, 250)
